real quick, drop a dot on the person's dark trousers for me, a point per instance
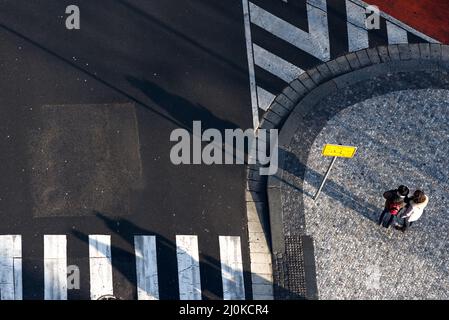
(382, 215)
(407, 224)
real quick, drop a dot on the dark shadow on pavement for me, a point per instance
(180, 35)
(90, 74)
(292, 165)
(179, 108)
(210, 268)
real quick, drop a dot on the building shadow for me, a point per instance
(183, 37)
(179, 108)
(210, 268)
(442, 177)
(294, 166)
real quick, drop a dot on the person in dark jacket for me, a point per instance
(395, 201)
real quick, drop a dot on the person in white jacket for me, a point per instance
(414, 209)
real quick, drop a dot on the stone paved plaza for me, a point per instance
(402, 138)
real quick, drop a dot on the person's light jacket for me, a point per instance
(415, 210)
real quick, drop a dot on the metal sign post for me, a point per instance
(335, 151)
(324, 179)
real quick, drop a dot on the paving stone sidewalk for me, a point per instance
(393, 103)
(403, 139)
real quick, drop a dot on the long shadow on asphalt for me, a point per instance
(90, 74)
(181, 109)
(180, 35)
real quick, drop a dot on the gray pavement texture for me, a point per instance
(83, 169)
(402, 139)
(396, 112)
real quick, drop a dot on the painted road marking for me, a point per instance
(250, 56)
(275, 65)
(312, 46)
(188, 268)
(399, 23)
(146, 268)
(357, 33)
(55, 267)
(396, 34)
(10, 267)
(231, 268)
(100, 266)
(265, 98)
(315, 42)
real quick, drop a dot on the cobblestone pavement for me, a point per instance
(403, 139)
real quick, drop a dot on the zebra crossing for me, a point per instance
(101, 264)
(286, 37)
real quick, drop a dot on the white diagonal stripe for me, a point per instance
(188, 268)
(55, 267)
(231, 268)
(275, 65)
(10, 267)
(146, 268)
(396, 35)
(316, 42)
(100, 266)
(265, 98)
(357, 33)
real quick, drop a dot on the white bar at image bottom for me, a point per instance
(188, 268)
(100, 266)
(55, 267)
(11, 267)
(146, 268)
(231, 268)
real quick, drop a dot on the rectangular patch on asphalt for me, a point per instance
(85, 160)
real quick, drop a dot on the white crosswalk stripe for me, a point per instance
(55, 267)
(10, 267)
(314, 44)
(264, 98)
(188, 268)
(357, 33)
(231, 268)
(396, 34)
(101, 264)
(146, 268)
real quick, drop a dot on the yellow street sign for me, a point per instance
(333, 150)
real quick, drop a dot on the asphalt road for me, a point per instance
(86, 117)
(170, 63)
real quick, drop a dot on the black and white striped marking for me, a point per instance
(286, 37)
(101, 263)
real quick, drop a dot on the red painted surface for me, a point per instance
(430, 17)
